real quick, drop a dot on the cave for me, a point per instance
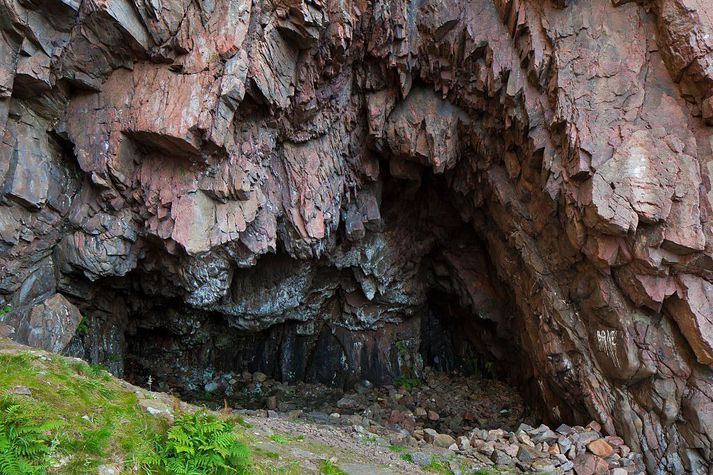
(337, 192)
(428, 298)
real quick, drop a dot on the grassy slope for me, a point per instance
(102, 422)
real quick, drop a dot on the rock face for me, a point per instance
(317, 189)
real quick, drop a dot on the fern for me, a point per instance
(199, 444)
(24, 444)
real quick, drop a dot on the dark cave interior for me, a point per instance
(417, 291)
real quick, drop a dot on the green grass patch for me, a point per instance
(283, 439)
(408, 383)
(93, 415)
(439, 465)
(328, 468)
(398, 448)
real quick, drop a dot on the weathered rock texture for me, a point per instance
(546, 164)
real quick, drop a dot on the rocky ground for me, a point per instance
(449, 403)
(445, 422)
(355, 441)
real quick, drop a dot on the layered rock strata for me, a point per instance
(324, 164)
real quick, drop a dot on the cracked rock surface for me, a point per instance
(306, 187)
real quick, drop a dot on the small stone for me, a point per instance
(443, 440)
(567, 466)
(453, 447)
(525, 439)
(421, 458)
(482, 459)
(511, 449)
(619, 471)
(420, 412)
(564, 444)
(20, 391)
(601, 448)
(625, 450)
(429, 435)
(589, 464)
(335, 415)
(433, 416)
(572, 452)
(595, 426)
(614, 441)
(546, 436)
(108, 470)
(501, 458)
(272, 403)
(259, 377)
(396, 417)
(156, 408)
(272, 414)
(564, 429)
(495, 434)
(585, 437)
(542, 465)
(485, 448)
(526, 454)
(524, 428)
(463, 443)
(347, 403)
(246, 376)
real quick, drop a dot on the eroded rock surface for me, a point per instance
(302, 177)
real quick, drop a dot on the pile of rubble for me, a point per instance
(579, 450)
(449, 403)
(478, 419)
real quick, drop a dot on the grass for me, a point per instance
(408, 383)
(438, 465)
(328, 468)
(283, 439)
(97, 416)
(97, 420)
(398, 448)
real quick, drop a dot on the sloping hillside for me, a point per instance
(100, 424)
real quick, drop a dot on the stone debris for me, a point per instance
(586, 452)
(521, 448)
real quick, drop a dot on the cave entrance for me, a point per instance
(450, 342)
(411, 305)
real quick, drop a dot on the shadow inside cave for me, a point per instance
(415, 297)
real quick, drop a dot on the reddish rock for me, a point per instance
(601, 448)
(257, 182)
(590, 464)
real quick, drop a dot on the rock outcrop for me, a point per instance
(300, 186)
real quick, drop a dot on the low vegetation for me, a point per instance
(69, 417)
(63, 416)
(25, 447)
(199, 443)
